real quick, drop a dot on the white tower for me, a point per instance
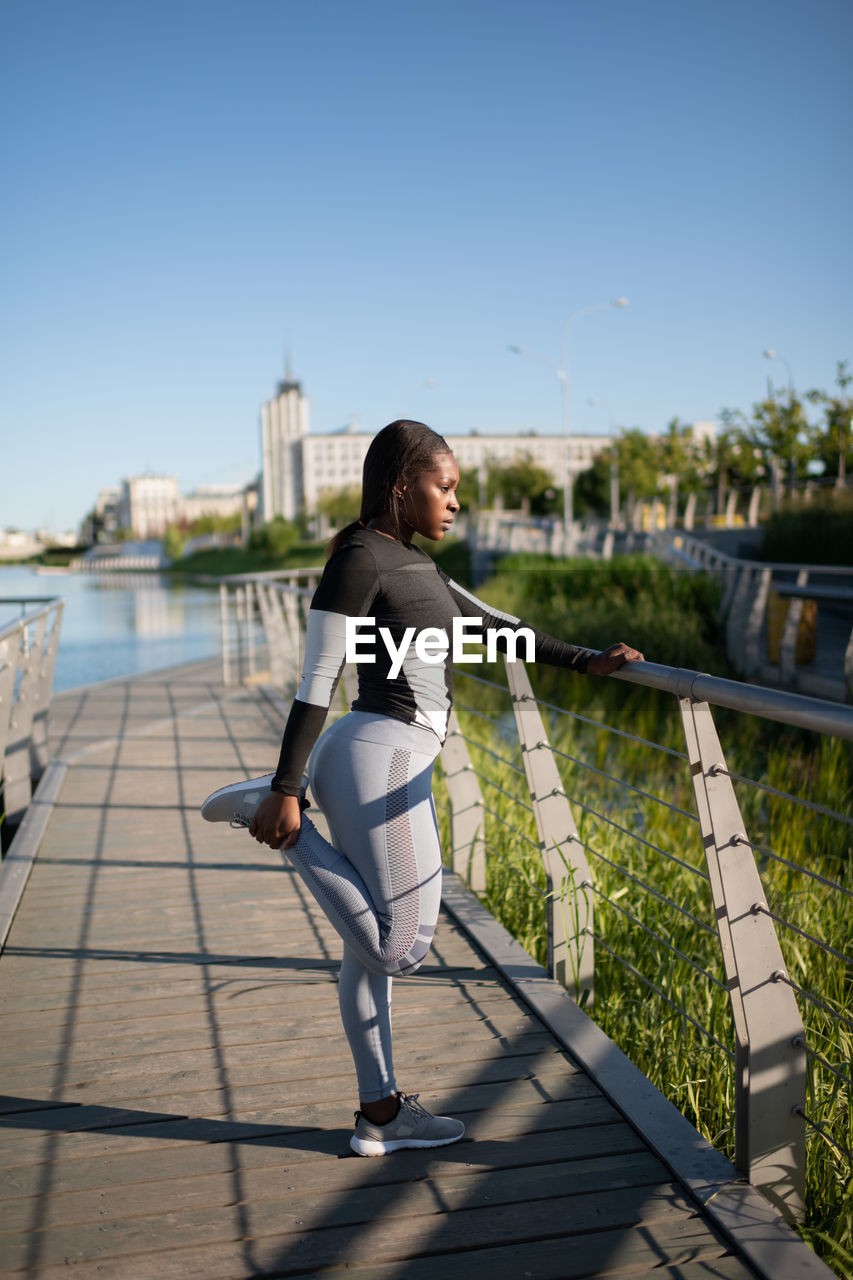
(284, 425)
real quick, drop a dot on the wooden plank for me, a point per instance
(320, 1187)
(369, 1224)
(151, 1161)
(633, 1252)
(163, 976)
(317, 1128)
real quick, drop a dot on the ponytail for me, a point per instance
(342, 536)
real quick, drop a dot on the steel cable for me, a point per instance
(599, 724)
(683, 1012)
(642, 884)
(794, 928)
(619, 782)
(671, 946)
(795, 866)
(720, 772)
(703, 875)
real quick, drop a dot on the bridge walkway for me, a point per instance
(179, 1090)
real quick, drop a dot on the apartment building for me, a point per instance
(298, 466)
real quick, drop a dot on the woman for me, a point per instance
(379, 882)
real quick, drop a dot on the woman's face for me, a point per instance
(430, 503)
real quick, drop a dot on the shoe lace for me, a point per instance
(410, 1102)
(239, 821)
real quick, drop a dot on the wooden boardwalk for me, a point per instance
(180, 1092)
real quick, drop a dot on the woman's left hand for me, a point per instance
(601, 664)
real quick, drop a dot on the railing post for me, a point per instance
(272, 615)
(9, 648)
(42, 688)
(756, 619)
(571, 953)
(467, 812)
(17, 780)
(250, 627)
(223, 632)
(790, 632)
(240, 614)
(771, 1059)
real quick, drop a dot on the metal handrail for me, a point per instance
(28, 648)
(795, 709)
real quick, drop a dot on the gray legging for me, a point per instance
(379, 883)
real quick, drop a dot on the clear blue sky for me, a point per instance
(395, 191)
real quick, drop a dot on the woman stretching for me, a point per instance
(379, 881)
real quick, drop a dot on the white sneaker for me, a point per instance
(412, 1126)
(238, 802)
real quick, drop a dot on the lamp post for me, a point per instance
(562, 372)
(770, 354)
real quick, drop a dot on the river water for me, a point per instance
(119, 624)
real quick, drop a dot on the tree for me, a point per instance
(731, 459)
(639, 460)
(680, 458)
(341, 505)
(835, 442)
(522, 481)
(592, 487)
(274, 538)
(780, 429)
(468, 493)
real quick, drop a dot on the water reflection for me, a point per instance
(120, 624)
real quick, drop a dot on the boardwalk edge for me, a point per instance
(743, 1216)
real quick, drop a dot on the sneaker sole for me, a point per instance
(373, 1147)
(219, 807)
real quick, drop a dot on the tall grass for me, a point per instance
(815, 532)
(659, 977)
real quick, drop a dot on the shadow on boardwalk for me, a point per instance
(179, 1089)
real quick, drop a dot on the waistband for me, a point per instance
(386, 731)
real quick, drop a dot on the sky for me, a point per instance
(394, 192)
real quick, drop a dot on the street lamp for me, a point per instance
(770, 354)
(562, 372)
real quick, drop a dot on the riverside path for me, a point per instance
(179, 1092)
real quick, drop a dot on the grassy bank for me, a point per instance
(651, 896)
(217, 562)
(223, 561)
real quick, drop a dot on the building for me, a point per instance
(212, 500)
(102, 521)
(284, 426)
(298, 466)
(148, 505)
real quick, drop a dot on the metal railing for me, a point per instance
(657, 860)
(264, 610)
(28, 647)
(589, 825)
(748, 590)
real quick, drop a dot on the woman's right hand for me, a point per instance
(277, 821)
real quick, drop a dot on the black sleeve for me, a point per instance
(347, 588)
(548, 649)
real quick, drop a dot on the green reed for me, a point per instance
(653, 1017)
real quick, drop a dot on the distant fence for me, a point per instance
(771, 616)
(28, 648)
(513, 795)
